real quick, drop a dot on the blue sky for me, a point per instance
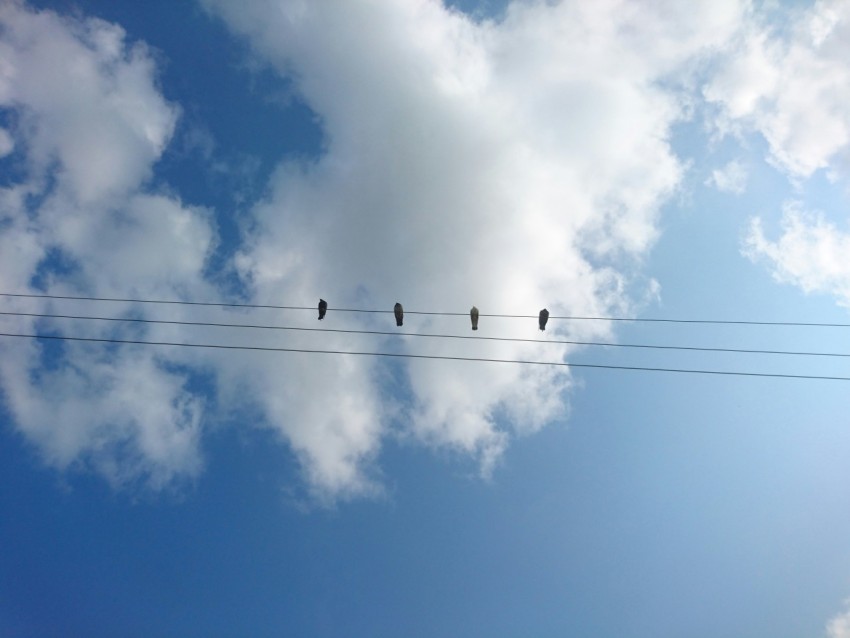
(599, 159)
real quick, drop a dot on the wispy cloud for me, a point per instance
(791, 85)
(839, 626)
(788, 78)
(810, 253)
(731, 178)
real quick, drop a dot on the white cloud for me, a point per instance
(90, 120)
(839, 626)
(128, 417)
(514, 165)
(731, 178)
(788, 78)
(811, 253)
(82, 93)
(792, 88)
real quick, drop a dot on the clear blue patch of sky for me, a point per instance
(479, 9)
(751, 462)
(57, 263)
(633, 519)
(12, 167)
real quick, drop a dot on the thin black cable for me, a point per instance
(562, 364)
(443, 314)
(421, 334)
(156, 301)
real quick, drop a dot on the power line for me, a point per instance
(420, 334)
(443, 314)
(159, 301)
(562, 364)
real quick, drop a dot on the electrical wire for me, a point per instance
(419, 334)
(562, 364)
(444, 314)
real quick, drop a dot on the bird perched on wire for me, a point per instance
(544, 317)
(323, 308)
(473, 315)
(399, 314)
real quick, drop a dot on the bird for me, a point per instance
(473, 314)
(323, 308)
(399, 314)
(544, 317)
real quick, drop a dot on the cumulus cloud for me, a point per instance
(839, 627)
(510, 164)
(89, 121)
(810, 253)
(791, 85)
(731, 178)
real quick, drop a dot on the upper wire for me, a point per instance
(445, 314)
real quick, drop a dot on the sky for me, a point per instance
(630, 160)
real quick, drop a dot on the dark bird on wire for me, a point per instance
(544, 317)
(323, 308)
(399, 314)
(473, 314)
